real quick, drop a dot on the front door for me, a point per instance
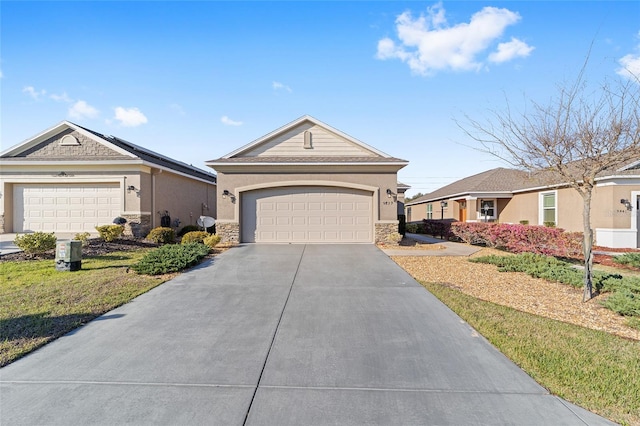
(462, 216)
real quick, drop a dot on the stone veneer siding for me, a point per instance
(138, 225)
(384, 229)
(229, 232)
(2, 230)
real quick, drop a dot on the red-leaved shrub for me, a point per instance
(520, 238)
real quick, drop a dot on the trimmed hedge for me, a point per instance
(194, 237)
(171, 258)
(520, 238)
(162, 235)
(37, 242)
(212, 240)
(110, 232)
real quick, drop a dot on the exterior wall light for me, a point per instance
(626, 203)
(131, 188)
(389, 193)
(225, 193)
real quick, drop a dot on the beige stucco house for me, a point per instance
(513, 196)
(70, 179)
(307, 182)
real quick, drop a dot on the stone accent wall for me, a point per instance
(2, 230)
(138, 225)
(229, 232)
(384, 229)
(87, 148)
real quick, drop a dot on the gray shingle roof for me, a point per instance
(494, 180)
(301, 159)
(155, 158)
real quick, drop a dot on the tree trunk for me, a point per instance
(587, 247)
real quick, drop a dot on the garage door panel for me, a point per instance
(64, 207)
(307, 214)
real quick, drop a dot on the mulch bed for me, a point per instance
(94, 247)
(518, 290)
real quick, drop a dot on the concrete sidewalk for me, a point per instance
(449, 248)
(280, 335)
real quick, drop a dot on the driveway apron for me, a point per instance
(280, 335)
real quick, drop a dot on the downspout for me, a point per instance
(153, 199)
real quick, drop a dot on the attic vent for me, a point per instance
(69, 140)
(307, 140)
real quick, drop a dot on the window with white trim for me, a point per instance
(548, 208)
(487, 209)
(429, 211)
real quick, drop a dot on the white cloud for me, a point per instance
(129, 117)
(630, 65)
(429, 44)
(81, 110)
(510, 50)
(229, 122)
(33, 93)
(61, 98)
(279, 86)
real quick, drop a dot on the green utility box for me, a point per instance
(68, 255)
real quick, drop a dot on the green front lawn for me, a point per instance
(593, 369)
(39, 304)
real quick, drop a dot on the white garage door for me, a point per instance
(64, 207)
(307, 215)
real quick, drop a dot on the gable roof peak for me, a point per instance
(297, 122)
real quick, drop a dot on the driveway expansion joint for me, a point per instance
(273, 338)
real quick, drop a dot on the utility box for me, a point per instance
(68, 255)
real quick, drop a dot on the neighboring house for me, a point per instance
(70, 179)
(307, 182)
(513, 196)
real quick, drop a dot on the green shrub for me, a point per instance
(171, 258)
(625, 291)
(38, 242)
(212, 240)
(194, 237)
(524, 222)
(631, 259)
(188, 228)
(624, 302)
(162, 235)
(83, 237)
(110, 232)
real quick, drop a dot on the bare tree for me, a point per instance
(581, 133)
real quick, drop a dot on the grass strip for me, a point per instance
(39, 304)
(593, 369)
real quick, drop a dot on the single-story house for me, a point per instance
(70, 179)
(514, 196)
(307, 182)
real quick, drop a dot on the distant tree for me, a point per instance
(414, 197)
(578, 135)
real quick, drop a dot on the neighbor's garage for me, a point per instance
(307, 215)
(65, 207)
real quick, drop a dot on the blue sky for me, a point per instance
(196, 80)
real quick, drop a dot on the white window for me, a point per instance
(487, 209)
(429, 211)
(548, 208)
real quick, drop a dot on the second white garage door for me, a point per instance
(64, 207)
(307, 215)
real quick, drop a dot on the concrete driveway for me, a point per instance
(280, 335)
